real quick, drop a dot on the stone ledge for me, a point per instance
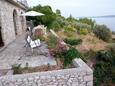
(80, 69)
(78, 63)
(77, 76)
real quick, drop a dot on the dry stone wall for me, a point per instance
(82, 75)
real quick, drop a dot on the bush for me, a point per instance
(113, 32)
(104, 70)
(102, 32)
(69, 55)
(87, 21)
(17, 69)
(73, 41)
(83, 31)
(82, 25)
(58, 23)
(51, 41)
(112, 50)
(55, 26)
(104, 56)
(69, 29)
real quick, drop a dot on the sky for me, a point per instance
(79, 8)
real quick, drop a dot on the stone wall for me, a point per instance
(7, 23)
(82, 75)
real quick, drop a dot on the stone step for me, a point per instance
(31, 61)
(36, 61)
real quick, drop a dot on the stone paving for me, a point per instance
(16, 53)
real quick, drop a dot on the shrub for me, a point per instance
(69, 55)
(51, 41)
(83, 31)
(55, 25)
(104, 56)
(82, 25)
(102, 32)
(73, 41)
(112, 50)
(113, 32)
(17, 69)
(69, 29)
(104, 71)
(87, 21)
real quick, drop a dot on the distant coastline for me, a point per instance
(106, 16)
(108, 20)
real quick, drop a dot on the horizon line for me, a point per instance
(107, 16)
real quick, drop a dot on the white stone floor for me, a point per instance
(16, 53)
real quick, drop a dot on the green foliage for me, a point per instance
(83, 31)
(17, 69)
(113, 32)
(71, 19)
(51, 41)
(58, 12)
(112, 49)
(47, 19)
(102, 32)
(69, 55)
(87, 21)
(79, 26)
(58, 24)
(61, 20)
(104, 56)
(73, 41)
(56, 21)
(55, 25)
(104, 71)
(69, 29)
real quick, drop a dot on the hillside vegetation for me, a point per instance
(89, 42)
(84, 38)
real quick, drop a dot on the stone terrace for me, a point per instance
(16, 53)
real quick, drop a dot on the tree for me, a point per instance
(87, 21)
(58, 12)
(71, 19)
(102, 32)
(47, 19)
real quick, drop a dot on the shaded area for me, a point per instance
(1, 41)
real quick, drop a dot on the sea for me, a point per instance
(108, 21)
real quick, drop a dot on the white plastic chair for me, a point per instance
(32, 43)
